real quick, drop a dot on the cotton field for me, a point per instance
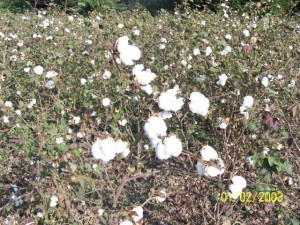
(128, 118)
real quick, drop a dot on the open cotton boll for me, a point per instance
(200, 169)
(248, 101)
(165, 115)
(212, 171)
(38, 70)
(235, 191)
(154, 127)
(122, 43)
(169, 102)
(173, 145)
(126, 222)
(155, 141)
(53, 201)
(265, 82)
(199, 103)
(145, 77)
(147, 88)
(135, 52)
(125, 58)
(208, 153)
(137, 213)
(104, 149)
(121, 146)
(160, 151)
(138, 68)
(239, 181)
(222, 79)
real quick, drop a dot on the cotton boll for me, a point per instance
(144, 77)
(122, 148)
(138, 213)
(169, 102)
(265, 82)
(126, 58)
(235, 191)
(51, 74)
(173, 145)
(160, 151)
(162, 196)
(122, 43)
(38, 70)
(212, 171)
(155, 141)
(126, 222)
(200, 169)
(208, 153)
(104, 149)
(135, 52)
(106, 75)
(246, 33)
(222, 79)
(165, 115)
(53, 201)
(239, 181)
(248, 101)
(208, 51)
(199, 103)
(50, 84)
(105, 102)
(147, 88)
(137, 69)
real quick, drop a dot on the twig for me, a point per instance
(125, 179)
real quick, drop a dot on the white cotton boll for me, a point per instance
(18, 112)
(83, 81)
(235, 191)
(165, 115)
(249, 160)
(155, 141)
(51, 74)
(122, 122)
(173, 145)
(122, 43)
(76, 119)
(50, 84)
(120, 25)
(200, 169)
(169, 102)
(162, 46)
(248, 101)
(105, 102)
(5, 119)
(59, 140)
(246, 33)
(135, 52)
(239, 181)
(138, 213)
(121, 146)
(137, 69)
(223, 125)
(228, 36)
(208, 51)
(222, 79)
(265, 82)
(26, 69)
(53, 201)
(199, 103)
(196, 51)
(136, 32)
(38, 70)
(212, 171)
(154, 127)
(126, 222)
(160, 151)
(104, 149)
(80, 135)
(8, 104)
(162, 197)
(126, 58)
(208, 153)
(147, 88)
(144, 77)
(106, 75)
(183, 63)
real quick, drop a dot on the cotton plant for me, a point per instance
(199, 104)
(128, 53)
(208, 156)
(237, 186)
